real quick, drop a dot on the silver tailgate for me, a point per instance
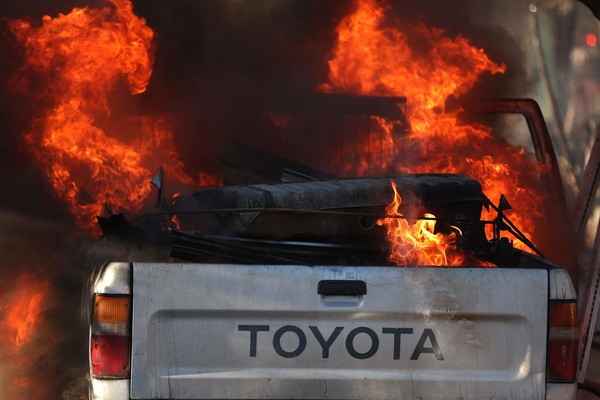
(240, 332)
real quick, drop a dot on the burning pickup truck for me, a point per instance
(292, 296)
(289, 290)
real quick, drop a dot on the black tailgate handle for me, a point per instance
(342, 288)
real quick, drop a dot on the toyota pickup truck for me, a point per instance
(257, 318)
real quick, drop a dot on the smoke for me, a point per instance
(209, 52)
(210, 55)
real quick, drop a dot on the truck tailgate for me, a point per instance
(239, 332)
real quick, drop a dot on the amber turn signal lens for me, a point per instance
(111, 309)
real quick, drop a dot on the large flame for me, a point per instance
(417, 244)
(374, 56)
(80, 57)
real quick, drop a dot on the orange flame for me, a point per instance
(375, 57)
(417, 244)
(22, 317)
(25, 308)
(81, 56)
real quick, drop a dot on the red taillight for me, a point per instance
(562, 341)
(110, 355)
(110, 340)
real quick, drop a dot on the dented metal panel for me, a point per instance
(231, 331)
(114, 278)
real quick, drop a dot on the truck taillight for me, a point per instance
(562, 341)
(111, 336)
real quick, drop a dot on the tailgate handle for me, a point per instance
(342, 288)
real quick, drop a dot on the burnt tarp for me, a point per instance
(333, 210)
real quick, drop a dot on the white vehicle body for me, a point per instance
(215, 331)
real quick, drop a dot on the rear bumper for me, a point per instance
(118, 389)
